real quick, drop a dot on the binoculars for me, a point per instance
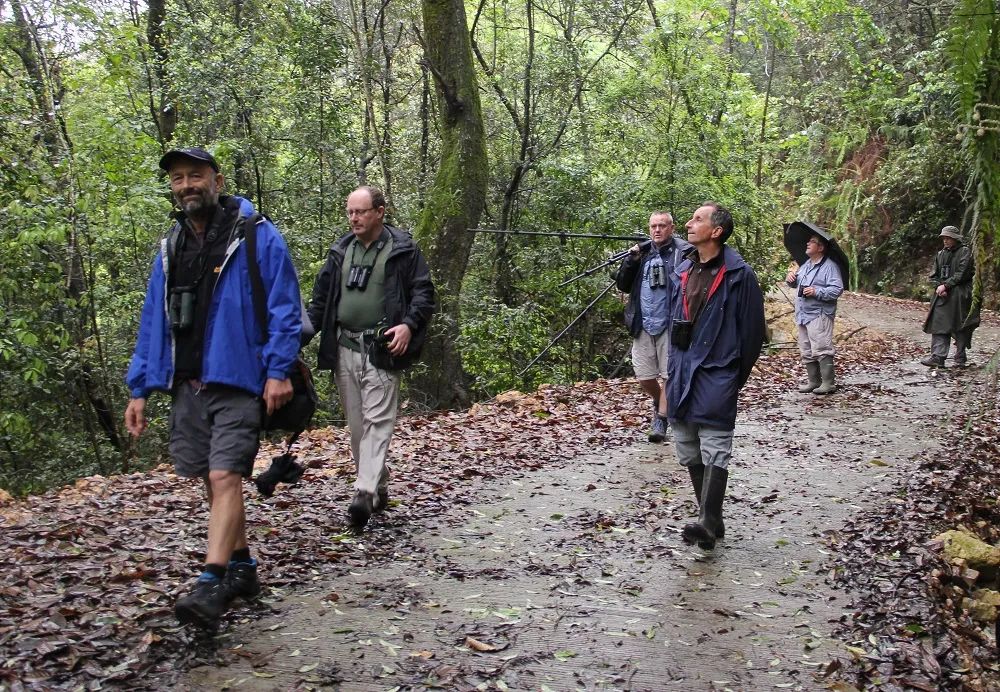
(181, 308)
(657, 278)
(358, 276)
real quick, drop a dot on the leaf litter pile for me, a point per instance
(92, 571)
(910, 629)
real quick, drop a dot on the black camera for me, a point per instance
(181, 308)
(680, 334)
(801, 288)
(357, 277)
(380, 337)
(656, 276)
(283, 469)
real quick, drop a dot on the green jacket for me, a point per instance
(955, 311)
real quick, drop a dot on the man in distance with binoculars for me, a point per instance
(646, 275)
(371, 303)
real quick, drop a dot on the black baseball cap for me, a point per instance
(188, 153)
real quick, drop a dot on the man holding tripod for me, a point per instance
(646, 275)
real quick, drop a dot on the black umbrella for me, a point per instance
(797, 233)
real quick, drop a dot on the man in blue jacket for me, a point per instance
(717, 334)
(646, 275)
(199, 340)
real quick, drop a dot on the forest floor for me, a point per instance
(533, 543)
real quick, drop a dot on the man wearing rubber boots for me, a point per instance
(372, 302)
(819, 286)
(199, 340)
(952, 312)
(716, 337)
(646, 275)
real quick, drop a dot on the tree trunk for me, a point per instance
(45, 87)
(457, 198)
(162, 104)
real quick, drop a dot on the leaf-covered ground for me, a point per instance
(91, 572)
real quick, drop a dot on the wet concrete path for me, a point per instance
(575, 576)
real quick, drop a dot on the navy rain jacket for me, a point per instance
(705, 380)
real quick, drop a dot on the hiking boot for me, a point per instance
(812, 372)
(381, 501)
(241, 580)
(204, 605)
(658, 433)
(361, 508)
(829, 385)
(933, 361)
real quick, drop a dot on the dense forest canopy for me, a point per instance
(877, 120)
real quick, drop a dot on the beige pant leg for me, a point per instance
(370, 398)
(816, 339)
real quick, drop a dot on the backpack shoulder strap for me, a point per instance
(256, 282)
(168, 248)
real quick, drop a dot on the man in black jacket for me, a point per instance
(646, 275)
(372, 302)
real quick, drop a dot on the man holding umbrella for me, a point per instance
(820, 282)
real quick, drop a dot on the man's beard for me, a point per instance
(199, 205)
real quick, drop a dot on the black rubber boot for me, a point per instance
(709, 527)
(697, 474)
(933, 361)
(812, 372)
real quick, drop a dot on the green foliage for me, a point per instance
(498, 341)
(835, 111)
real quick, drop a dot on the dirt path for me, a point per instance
(576, 574)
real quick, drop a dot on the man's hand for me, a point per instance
(942, 290)
(809, 291)
(135, 417)
(399, 339)
(277, 393)
(790, 277)
(634, 251)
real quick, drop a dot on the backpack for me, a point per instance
(296, 415)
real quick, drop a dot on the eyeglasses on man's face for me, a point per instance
(351, 213)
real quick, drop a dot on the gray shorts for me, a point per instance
(649, 355)
(215, 428)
